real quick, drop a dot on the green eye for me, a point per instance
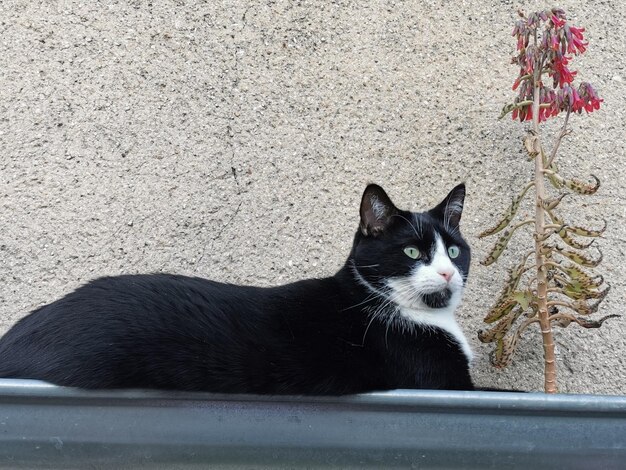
(453, 251)
(412, 252)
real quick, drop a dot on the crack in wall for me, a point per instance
(230, 136)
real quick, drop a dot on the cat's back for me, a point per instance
(133, 299)
(152, 317)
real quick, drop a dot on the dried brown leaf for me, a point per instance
(581, 293)
(581, 187)
(579, 258)
(502, 328)
(508, 215)
(500, 309)
(506, 109)
(498, 248)
(594, 323)
(503, 354)
(564, 319)
(566, 237)
(532, 144)
(586, 232)
(575, 273)
(550, 204)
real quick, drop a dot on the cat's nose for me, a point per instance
(447, 275)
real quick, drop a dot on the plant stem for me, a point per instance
(526, 324)
(562, 134)
(560, 303)
(542, 281)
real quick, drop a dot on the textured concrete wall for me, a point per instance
(233, 139)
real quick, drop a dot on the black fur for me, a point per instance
(315, 336)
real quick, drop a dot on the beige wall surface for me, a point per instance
(233, 139)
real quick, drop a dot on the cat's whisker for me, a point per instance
(410, 290)
(383, 305)
(389, 320)
(369, 298)
(388, 300)
(374, 316)
(377, 313)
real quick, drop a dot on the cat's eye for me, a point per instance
(412, 252)
(453, 251)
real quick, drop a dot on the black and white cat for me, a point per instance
(384, 321)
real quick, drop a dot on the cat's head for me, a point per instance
(414, 260)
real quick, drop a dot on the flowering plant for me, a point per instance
(557, 285)
(548, 54)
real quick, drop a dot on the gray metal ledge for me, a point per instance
(45, 426)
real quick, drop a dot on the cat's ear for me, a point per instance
(450, 209)
(376, 211)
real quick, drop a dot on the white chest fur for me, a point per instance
(440, 318)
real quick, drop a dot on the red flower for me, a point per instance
(576, 101)
(520, 31)
(519, 80)
(557, 22)
(529, 113)
(524, 113)
(554, 42)
(528, 61)
(548, 97)
(560, 72)
(575, 40)
(516, 83)
(593, 104)
(554, 109)
(569, 97)
(589, 98)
